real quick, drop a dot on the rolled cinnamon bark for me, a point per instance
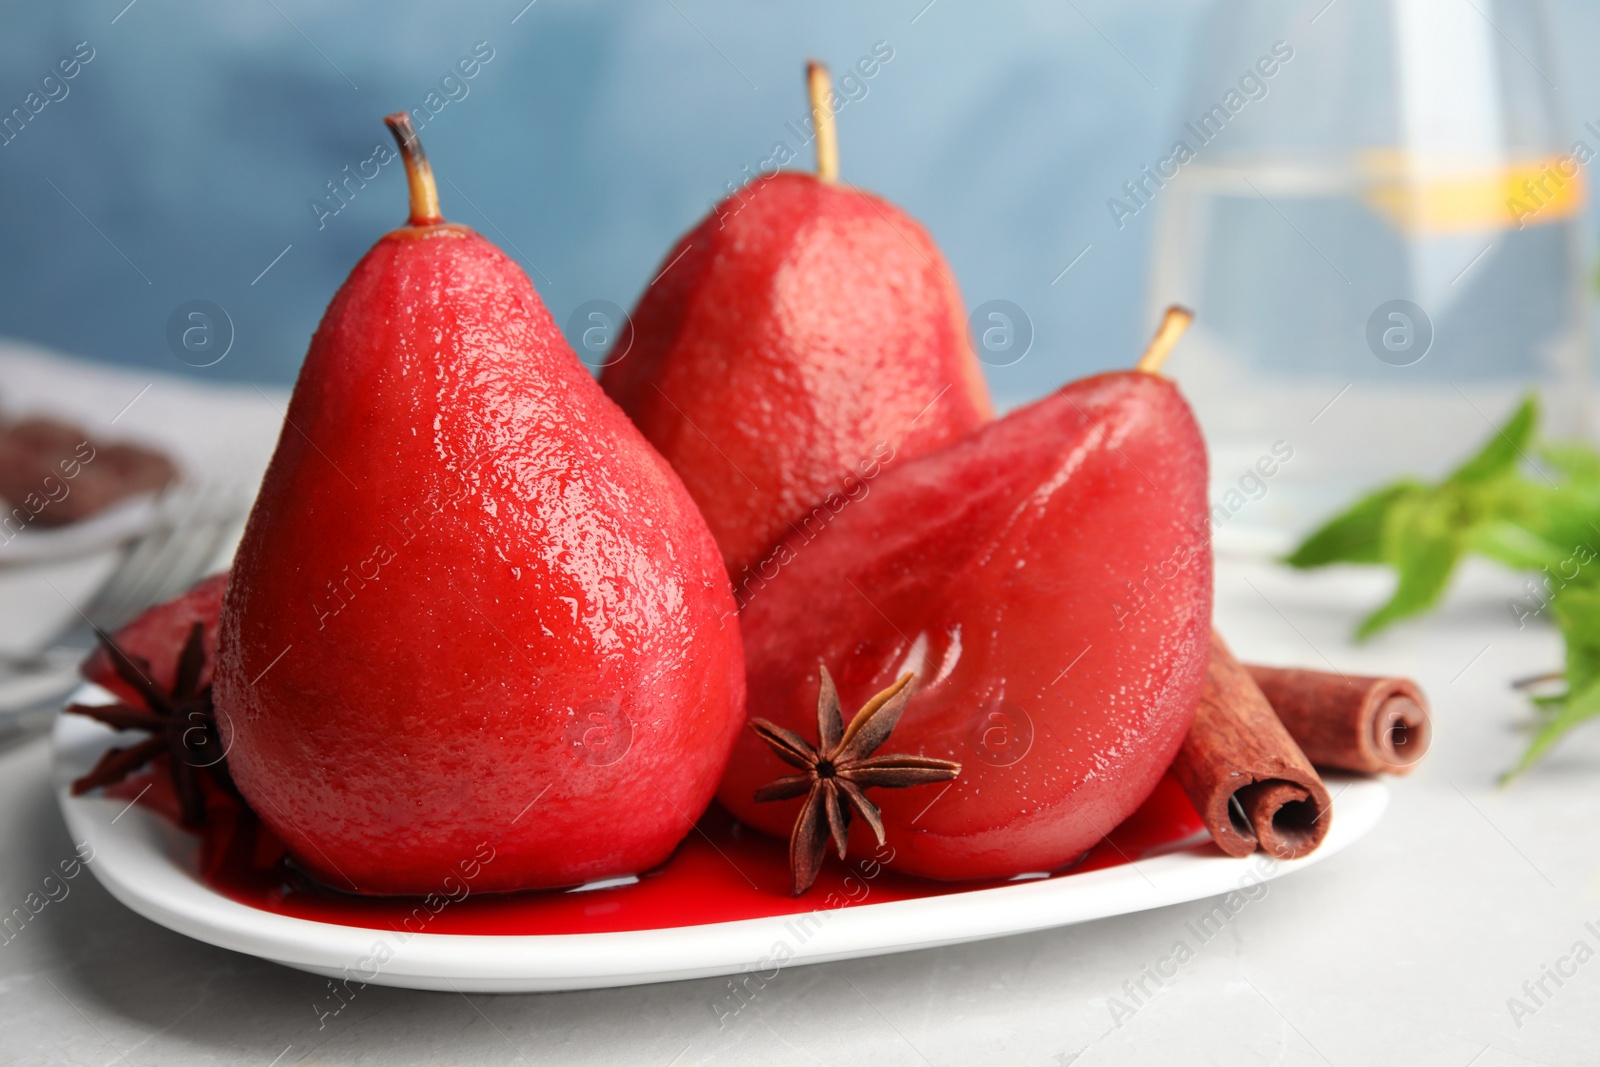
(1360, 724)
(1244, 774)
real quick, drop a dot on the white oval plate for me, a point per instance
(150, 866)
(109, 529)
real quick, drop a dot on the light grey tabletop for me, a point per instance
(1407, 948)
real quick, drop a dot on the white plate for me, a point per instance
(109, 529)
(149, 865)
(45, 571)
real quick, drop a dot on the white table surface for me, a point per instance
(1403, 950)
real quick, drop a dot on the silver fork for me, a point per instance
(194, 522)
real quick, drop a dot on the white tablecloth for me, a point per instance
(1402, 950)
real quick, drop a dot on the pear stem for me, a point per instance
(820, 86)
(1173, 323)
(419, 174)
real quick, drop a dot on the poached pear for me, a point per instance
(797, 339)
(474, 613)
(1047, 580)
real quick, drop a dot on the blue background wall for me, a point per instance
(182, 160)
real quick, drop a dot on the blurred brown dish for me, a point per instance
(53, 473)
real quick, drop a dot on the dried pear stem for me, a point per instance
(820, 86)
(1173, 323)
(419, 174)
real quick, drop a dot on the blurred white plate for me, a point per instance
(118, 524)
(149, 865)
(48, 573)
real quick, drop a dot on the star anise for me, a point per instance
(840, 769)
(182, 724)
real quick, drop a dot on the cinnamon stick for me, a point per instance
(1360, 724)
(1244, 773)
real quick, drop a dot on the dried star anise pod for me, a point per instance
(840, 769)
(182, 724)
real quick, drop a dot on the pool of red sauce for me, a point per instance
(722, 872)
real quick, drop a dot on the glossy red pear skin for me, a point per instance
(157, 635)
(799, 325)
(462, 549)
(998, 569)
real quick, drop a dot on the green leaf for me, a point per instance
(1574, 461)
(1514, 545)
(1567, 515)
(1423, 541)
(1501, 453)
(1575, 708)
(1356, 535)
(1577, 612)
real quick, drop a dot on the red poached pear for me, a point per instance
(1048, 579)
(798, 338)
(476, 627)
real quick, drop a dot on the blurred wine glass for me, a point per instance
(1377, 225)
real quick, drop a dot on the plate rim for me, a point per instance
(136, 864)
(122, 521)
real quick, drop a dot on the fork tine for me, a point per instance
(154, 560)
(110, 601)
(165, 577)
(192, 557)
(110, 604)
